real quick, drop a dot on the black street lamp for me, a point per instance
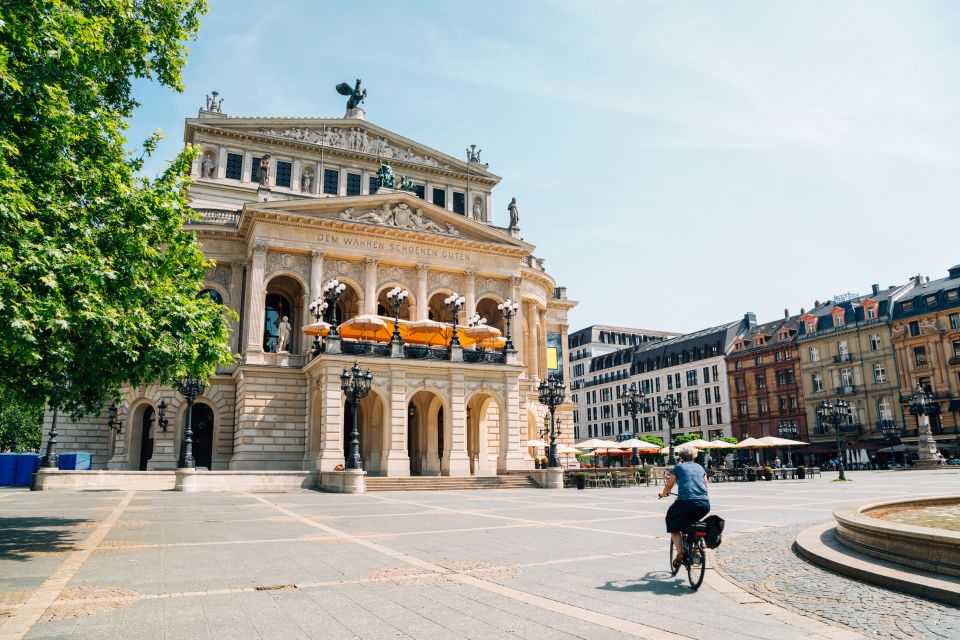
(52, 460)
(191, 389)
(668, 409)
(332, 293)
(788, 429)
(397, 296)
(632, 401)
(454, 303)
(923, 406)
(112, 421)
(162, 421)
(890, 430)
(356, 385)
(834, 414)
(552, 394)
(508, 308)
(317, 309)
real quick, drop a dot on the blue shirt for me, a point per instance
(691, 481)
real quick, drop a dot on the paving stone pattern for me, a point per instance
(766, 565)
(524, 563)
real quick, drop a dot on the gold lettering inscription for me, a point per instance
(393, 247)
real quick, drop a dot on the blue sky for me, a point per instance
(676, 163)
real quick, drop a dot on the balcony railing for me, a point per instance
(223, 217)
(485, 355)
(821, 430)
(843, 357)
(359, 348)
(921, 365)
(420, 352)
(846, 390)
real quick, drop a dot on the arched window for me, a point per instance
(213, 294)
(278, 306)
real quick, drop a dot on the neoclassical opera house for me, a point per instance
(287, 205)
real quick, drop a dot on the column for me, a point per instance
(365, 183)
(455, 460)
(449, 198)
(221, 163)
(397, 457)
(236, 293)
(295, 175)
(470, 295)
(316, 274)
(423, 305)
(531, 359)
(370, 285)
(542, 342)
(517, 327)
(247, 167)
(256, 301)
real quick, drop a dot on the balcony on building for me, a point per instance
(846, 390)
(843, 357)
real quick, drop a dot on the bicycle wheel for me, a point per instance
(696, 563)
(673, 554)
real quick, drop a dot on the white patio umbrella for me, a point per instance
(773, 441)
(537, 443)
(635, 443)
(721, 444)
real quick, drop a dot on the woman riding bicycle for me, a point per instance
(692, 502)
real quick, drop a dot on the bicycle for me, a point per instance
(694, 553)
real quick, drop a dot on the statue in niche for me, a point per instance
(514, 213)
(478, 208)
(207, 166)
(306, 181)
(283, 335)
(357, 94)
(265, 170)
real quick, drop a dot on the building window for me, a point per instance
(331, 181)
(758, 360)
(213, 294)
(763, 407)
(255, 169)
(811, 326)
(440, 197)
(706, 375)
(956, 348)
(817, 380)
(738, 365)
(953, 295)
(719, 415)
(875, 342)
(879, 373)
(420, 190)
(693, 398)
(814, 354)
(234, 166)
(954, 321)
(741, 386)
(459, 203)
(761, 381)
(716, 394)
(373, 185)
(838, 320)
(742, 408)
(914, 328)
(906, 305)
(691, 378)
(283, 174)
(920, 355)
(709, 417)
(353, 184)
(871, 313)
(777, 357)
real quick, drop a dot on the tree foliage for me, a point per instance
(98, 277)
(20, 423)
(651, 439)
(687, 437)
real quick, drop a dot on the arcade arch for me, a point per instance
(385, 306)
(486, 433)
(284, 298)
(427, 432)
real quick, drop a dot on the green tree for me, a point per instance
(687, 437)
(651, 439)
(20, 423)
(98, 277)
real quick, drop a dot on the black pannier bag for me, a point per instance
(714, 531)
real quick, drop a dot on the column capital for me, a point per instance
(316, 253)
(470, 273)
(371, 260)
(260, 248)
(515, 281)
(422, 268)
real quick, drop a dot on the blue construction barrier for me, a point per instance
(27, 465)
(8, 469)
(75, 461)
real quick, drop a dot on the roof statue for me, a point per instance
(385, 177)
(215, 104)
(514, 214)
(357, 94)
(406, 184)
(473, 154)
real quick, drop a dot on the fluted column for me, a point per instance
(533, 362)
(257, 299)
(316, 274)
(470, 294)
(370, 285)
(517, 320)
(542, 342)
(423, 305)
(236, 294)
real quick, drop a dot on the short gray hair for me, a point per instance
(686, 452)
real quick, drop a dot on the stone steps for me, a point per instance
(450, 483)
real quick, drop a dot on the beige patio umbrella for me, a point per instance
(593, 443)
(722, 444)
(482, 333)
(748, 443)
(567, 450)
(773, 441)
(698, 444)
(642, 445)
(537, 443)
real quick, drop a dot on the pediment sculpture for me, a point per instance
(400, 216)
(353, 139)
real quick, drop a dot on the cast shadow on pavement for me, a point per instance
(659, 582)
(23, 538)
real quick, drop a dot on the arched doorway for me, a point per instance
(146, 438)
(371, 427)
(437, 310)
(285, 298)
(202, 426)
(484, 434)
(487, 308)
(425, 433)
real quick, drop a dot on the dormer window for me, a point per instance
(758, 341)
(931, 300)
(871, 313)
(811, 326)
(838, 317)
(906, 305)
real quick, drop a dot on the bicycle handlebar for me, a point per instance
(660, 497)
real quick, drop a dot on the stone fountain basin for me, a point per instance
(927, 548)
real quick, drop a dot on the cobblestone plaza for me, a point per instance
(523, 563)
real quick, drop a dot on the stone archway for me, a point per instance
(487, 308)
(486, 433)
(385, 306)
(284, 298)
(140, 437)
(426, 433)
(202, 424)
(437, 310)
(371, 425)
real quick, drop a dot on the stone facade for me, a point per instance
(277, 242)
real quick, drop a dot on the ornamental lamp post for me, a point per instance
(112, 421)
(162, 421)
(190, 389)
(454, 302)
(317, 308)
(923, 406)
(397, 296)
(508, 308)
(355, 385)
(667, 409)
(788, 429)
(834, 414)
(552, 394)
(632, 400)
(332, 292)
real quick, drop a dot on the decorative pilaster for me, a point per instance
(316, 274)
(397, 461)
(517, 329)
(423, 305)
(236, 285)
(531, 359)
(257, 299)
(370, 285)
(470, 295)
(542, 342)
(455, 460)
